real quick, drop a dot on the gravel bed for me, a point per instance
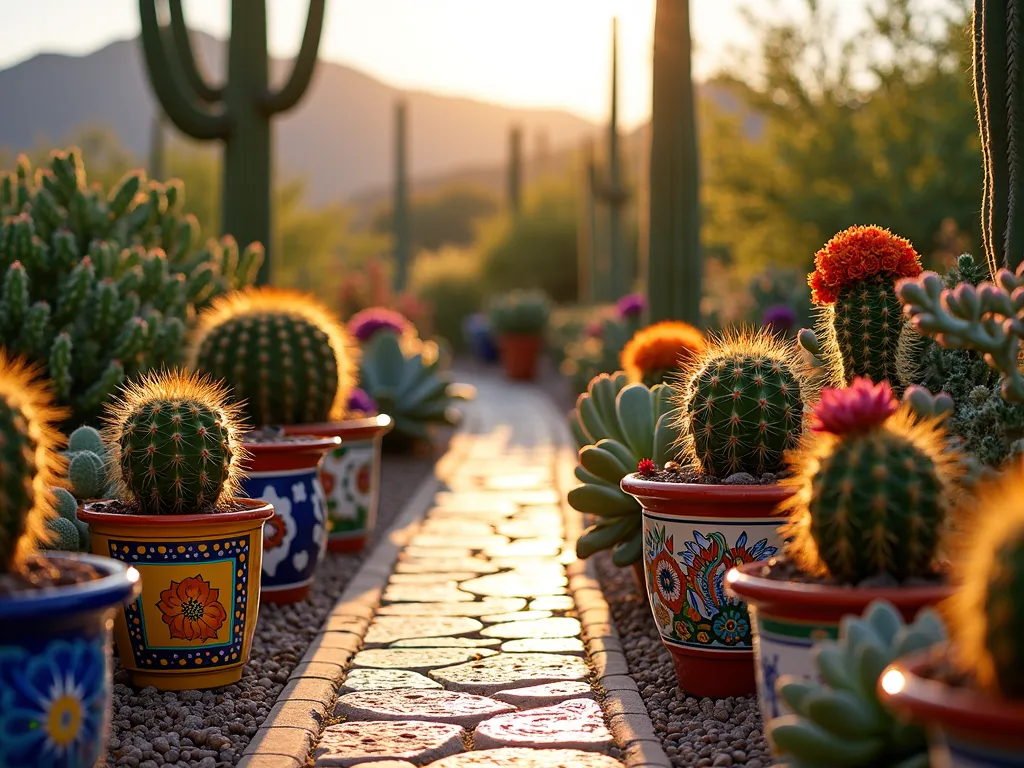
(211, 729)
(694, 732)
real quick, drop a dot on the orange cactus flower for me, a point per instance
(857, 254)
(191, 609)
(664, 346)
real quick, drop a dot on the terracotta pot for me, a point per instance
(519, 353)
(966, 728)
(350, 475)
(192, 626)
(286, 475)
(789, 617)
(693, 534)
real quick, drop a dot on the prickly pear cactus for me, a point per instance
(174, 443)
(874, 487)
(742, 406)
(839, 722)
(281, 352)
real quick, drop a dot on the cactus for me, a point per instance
(619, 426)
(674, 262)
(366, 322)
(742, 406)
(873, 488)
(658, 351)
(29, 444)
(86, 439)
(401, 220)
(99, 287)
(281, 352)
(839, 722)
(239, 113)
(63, 535)
(173, 439)
(515, 170)
(520, 313)
(87, 472)
(860, 323)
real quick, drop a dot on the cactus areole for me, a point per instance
(238, 113)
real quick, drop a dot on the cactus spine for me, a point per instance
(674, 264)
(742, 406)
(174, 443)
(281, 352)
(240, 112)
(401, 224)
(515, 170)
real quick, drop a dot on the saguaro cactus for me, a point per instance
(400, 216)
(239, 112)
(515, 170)
(674, 256)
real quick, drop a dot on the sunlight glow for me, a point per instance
(893, 682)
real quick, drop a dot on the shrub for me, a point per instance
(450, 281)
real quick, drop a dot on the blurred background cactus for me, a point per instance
(401, 220)
(514, 180)
(281, 352)
(173, 439)
(520, 313)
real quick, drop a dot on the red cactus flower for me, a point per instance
(860, 407)
(857, 254)
(646, 467)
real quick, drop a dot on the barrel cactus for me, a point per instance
(281, 352)
(174, 443)
(860, 321)
(874, 485)
(742, 406)
(838, 721)
(29, 444)
(659, 351)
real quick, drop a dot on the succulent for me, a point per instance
(88, 477)
(66, 506)
(366, 322)
(29, 444)
(520, 312)
(174, 445)
(742, 406)
(839, 722)
(619, 426)
(99, 287)
(63, 535)
(598, 350)
(281, 352)
(660, 350)
(860, 322)
(412, 387)
(873, 487)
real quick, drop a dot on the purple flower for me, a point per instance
(594, 329)
(779, 317)
(365, 323)
(360, 402)
(631, 305)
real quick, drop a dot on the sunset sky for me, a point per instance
(544, 53)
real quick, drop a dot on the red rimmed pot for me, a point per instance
(192, 625)
(693, 534)
(350, 475)
(285, 474)
(790, 616)
(519, 354)
(966, 728)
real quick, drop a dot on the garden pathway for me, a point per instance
(472, 637)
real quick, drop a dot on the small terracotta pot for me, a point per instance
(519, 354)
(286, 475)
(693, 535)
(789, 617)
(966, 728)
(350, 475)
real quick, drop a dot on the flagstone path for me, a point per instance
(472, 637)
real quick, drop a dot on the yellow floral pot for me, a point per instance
(193, 623)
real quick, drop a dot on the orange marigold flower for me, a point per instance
(191, 610)
(860, 253)
(660, 347)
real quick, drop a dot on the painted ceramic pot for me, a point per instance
(693, 535)
(477, 330)
(519, 354)
(966, 728)
(285, 474)
(55, 667)
(350, 475)
(789, 617)
(192, 625)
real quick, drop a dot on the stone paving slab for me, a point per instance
(417, 742)
(385, 680)
(435, 706)
(527, 758)
(574, 724)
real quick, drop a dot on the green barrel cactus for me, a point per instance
(620, 427)
(839, 722)
(520, 313)
(174, 443)
(281, 352)
(742, 406)
(874, 486)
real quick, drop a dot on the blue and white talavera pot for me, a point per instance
(55, 667)
(285, 474)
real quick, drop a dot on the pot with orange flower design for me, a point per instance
(173, 441)
(741, 409)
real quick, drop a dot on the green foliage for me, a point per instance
(520, 312)
(616, 424)
(449, 281)
(839, 721)
(447, 216)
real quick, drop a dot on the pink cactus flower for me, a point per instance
(858, 408)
